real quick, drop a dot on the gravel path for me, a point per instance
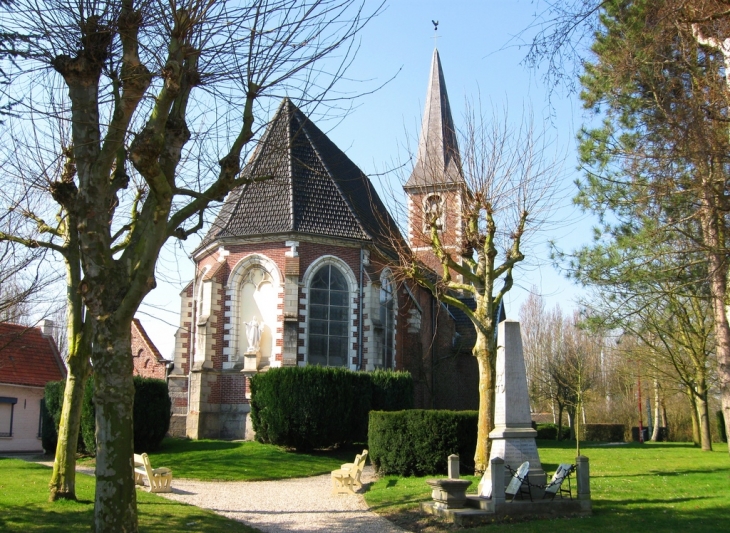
(302, 504)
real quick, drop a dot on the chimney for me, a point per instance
(47, 327)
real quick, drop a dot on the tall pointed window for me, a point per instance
(329, 317)
(387, 321)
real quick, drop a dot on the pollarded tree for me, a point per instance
(162, 101)
(506, 195)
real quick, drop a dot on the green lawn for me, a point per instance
(657, 487)
(24, 506)
(210, 460)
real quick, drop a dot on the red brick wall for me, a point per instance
(145, 360)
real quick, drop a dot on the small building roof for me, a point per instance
(438, 163)
(139, 330)
(302, 182)
(28, 357)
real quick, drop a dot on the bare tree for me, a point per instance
(506, 196)
(162, 101)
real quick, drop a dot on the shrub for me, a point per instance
(417, 442)
(550, 432)
(392, 391)
(604, 432)
(304, 408)
(721, 426)
(152, 411)
(317, 407)
(51, 412)
(88, 418)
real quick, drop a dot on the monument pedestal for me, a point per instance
(251, 361)
(513, 439)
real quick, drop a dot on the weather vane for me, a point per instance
(435, 29)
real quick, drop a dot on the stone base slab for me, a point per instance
(483, 510)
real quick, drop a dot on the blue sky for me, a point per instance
(480, 54)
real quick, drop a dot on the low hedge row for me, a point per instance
(417, 442)
(317, 407)
(550, 432)
(152, 411)
(604, 432)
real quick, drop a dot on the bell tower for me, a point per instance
(436, 186)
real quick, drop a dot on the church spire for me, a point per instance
(438, 163)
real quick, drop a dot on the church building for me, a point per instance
(299, 268)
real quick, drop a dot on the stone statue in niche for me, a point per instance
(253, 335)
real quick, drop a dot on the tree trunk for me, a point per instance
(713, 227)
(63, 480)
(695, 417)
(703, 413)
(485, 423)
(655, 433)
(560, 423)
(115, 508)
(571, 422)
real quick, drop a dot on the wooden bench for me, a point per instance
(159, 479)
(347, 478)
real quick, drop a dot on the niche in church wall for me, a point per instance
(258, 314)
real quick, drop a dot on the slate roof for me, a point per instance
(27, 357)
(302, 183)
(438, 162)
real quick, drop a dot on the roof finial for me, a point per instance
(435, 29)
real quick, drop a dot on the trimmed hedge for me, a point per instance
(88, 418)
(417, 442)
(550, 432)
(152, 411)
(49, 407)
(392, 391)
(318, 407)
(604, 432)
(721, 426)
(51, 412)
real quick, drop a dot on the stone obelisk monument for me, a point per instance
(513, 438)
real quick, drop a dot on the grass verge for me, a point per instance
(24, 506)
(215, 460)
(657, 487)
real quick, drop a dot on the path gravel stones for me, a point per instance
(302, 504)
(305, 505)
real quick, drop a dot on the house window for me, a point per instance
(386, 331)
(7, 406)
(329, 317)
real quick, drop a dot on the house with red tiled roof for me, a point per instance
(29, 359)
(148, 362)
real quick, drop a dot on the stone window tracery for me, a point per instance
(329, 317)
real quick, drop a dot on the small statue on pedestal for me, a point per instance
(253, 335)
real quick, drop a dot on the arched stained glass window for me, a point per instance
(387, 320)
(329, 318)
